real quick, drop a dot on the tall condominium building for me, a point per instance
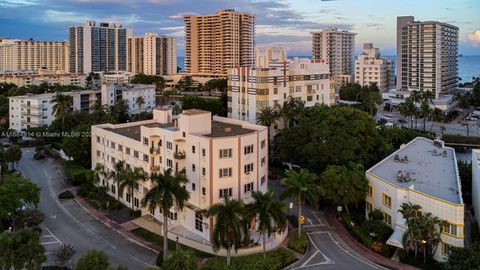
(215, 43)
(21, 55)
(426, 56)
(336, 48)
(152, 54)
(264, 55)
(371, 68)
(98, 47)
(251, 89)
(221, 157)
(30, 110)
(422, 172)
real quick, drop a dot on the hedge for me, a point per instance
(299, 244)
(65, 195)
(275, 260)
(293, 220)
(77, 174)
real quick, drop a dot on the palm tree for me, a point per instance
(425, 112)
(416, 97)
(139, 102)
(98, 109)
(269, 212)
(129, 180)
(300, 187)
(228, 229)
(464, 101)
(99, 173)
(116, 175)
(267, 117)
(167, 191)
(410, 213)
(63, 106)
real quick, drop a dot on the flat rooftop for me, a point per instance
(430, 169)
(222, 129)
(133, 132)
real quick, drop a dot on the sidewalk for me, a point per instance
(348, 239)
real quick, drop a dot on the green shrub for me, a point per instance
(381, 230)
(293, 220)
(361, 235)
(159, 260)
(65, 195)
(275, 260)
(376, 215)
(38, 156)
(299, 244)
(347, 221)
(85, 190)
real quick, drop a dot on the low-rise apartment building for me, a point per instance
(251, 89)
(422, 172)
(220, 156)
(476, 183)
(371, 68)
(29, 78)
(31, 110)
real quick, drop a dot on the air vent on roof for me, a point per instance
(404, 177)
(434, 152)
(444, 153)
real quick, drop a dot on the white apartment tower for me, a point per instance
(30, 55)
(426, 56)
(98, 47)
(251, 89)
(215, 43)
(371, 68)
(336, 48)
(221, 157)
(152, 54)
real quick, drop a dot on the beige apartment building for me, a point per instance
(215, 43)
(152, 54)
(265, 54)
(371, 68)
(251, 89)
(427, 56)
(221, 157)
(336, 48)
(21, 55)
(28, 78)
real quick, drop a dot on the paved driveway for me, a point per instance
(66, 222)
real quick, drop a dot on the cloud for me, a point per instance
(474, 38)
(180, 15)
(18, 3)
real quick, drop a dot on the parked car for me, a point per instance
(402, 121)
(289, 166)
(471, 118)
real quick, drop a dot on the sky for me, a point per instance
(286, 23)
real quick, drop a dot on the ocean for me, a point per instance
(468, 66)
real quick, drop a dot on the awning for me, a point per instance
(396, 239)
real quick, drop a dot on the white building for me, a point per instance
(31, 110)
(427, 56)
(425, 173)
(221, 157)
(371, 68)
(265, 54)
(336, 48)
(251, 89)
(476, 183)
(28, 78)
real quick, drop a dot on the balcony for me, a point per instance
(34, 106)
(179, 155)
(154, 151)
(32, 113)
(155, 169)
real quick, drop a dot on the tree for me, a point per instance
(228, 228)
(64, 254)
(344, 185)
(77, 146)
(117, 175)
(292, 111)
(371, 98)
(129, 180)
(13, 155)
(168, 189)
(62, 107)
(93, 260)
(99, 173)
(215, 106)
(216, 85)
(270, 214)
(29, 217)
(180, 260)
(99, 110)
(350, 91)
(464, 258)
(464, 101)
(267, 117)
(15, 192)
(300, 187)
(21, 250)
(139, 101)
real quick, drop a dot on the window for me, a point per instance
(248, 168)
(387, 200)
(387, 218)
(204, 152)
(145, 141)
(120, 148)
(184, 134)
(169, 145)
(204, 191)
(135, 154)
(98, 139)
(198, 222)
(112, 189)
(370, 191)
(248, 187)
(369, 207)
(193, 186)
(112, 145)
(225, 172)
(145, 157)
(450, 228)
(248, 149)
(226, 153)
(262, 180)
(226, 192)
(169, 163)
(127, 197)
(262, 144)
(98, 153)
(193, 167)
(263, 161)
(172, 216)
(193, 149)
(127, 151)
(446, 249)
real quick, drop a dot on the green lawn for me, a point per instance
(158, 240)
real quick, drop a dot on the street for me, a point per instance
(326, 250)
(67, 223)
